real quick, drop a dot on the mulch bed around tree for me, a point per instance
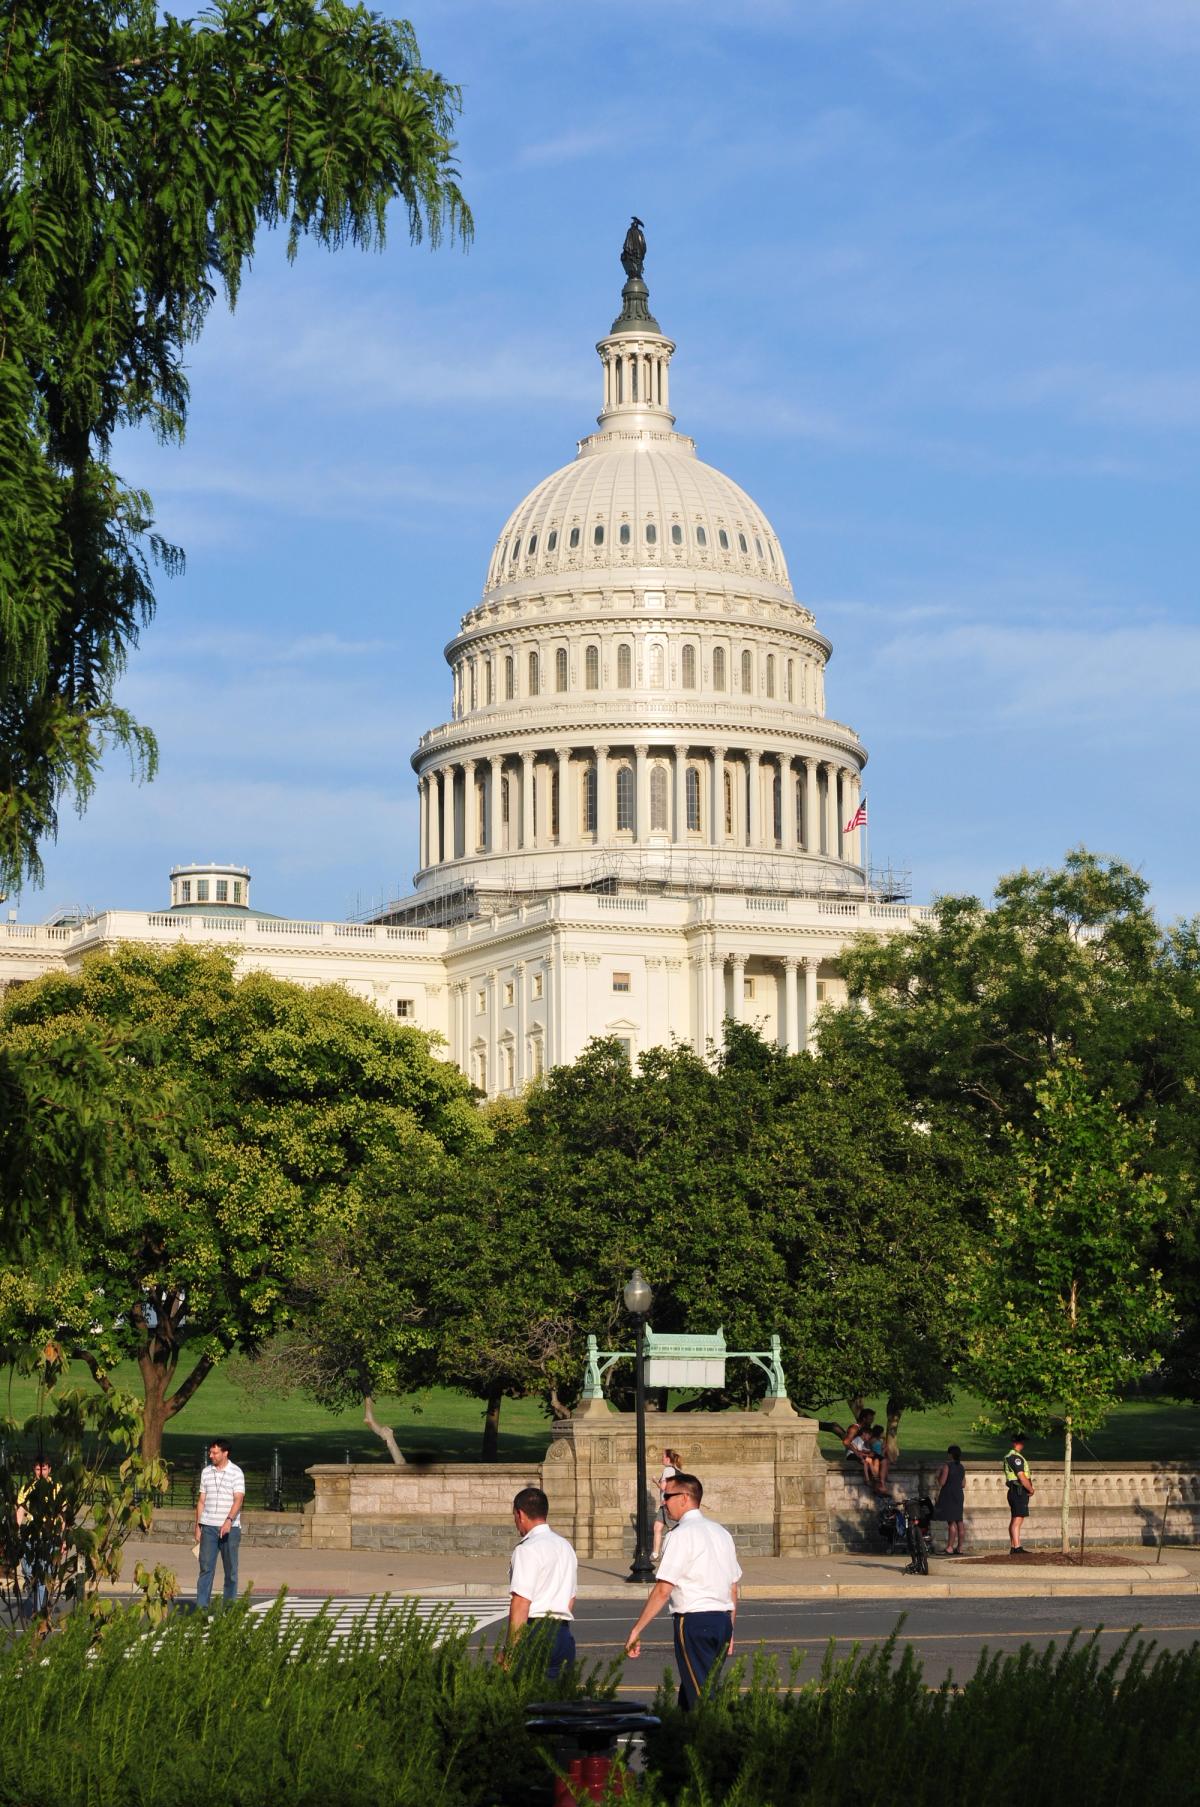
(1091, 1559)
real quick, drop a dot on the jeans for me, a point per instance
(35, 1599)
(211, 1542)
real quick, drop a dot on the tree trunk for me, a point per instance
(558, 1410)
(891, 1447)
(156, 1407)
(1066, 1493)
(382, 1431)
(491, 1426)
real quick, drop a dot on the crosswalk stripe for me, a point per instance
(348, 1612)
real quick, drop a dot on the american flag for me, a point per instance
(859, 818)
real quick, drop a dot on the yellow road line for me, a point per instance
(923, 1637)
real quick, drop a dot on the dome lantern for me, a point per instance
(636, 353)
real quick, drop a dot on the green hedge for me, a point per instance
(241, 1711)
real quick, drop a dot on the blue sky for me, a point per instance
(932, 271)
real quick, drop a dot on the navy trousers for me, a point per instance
(562, 1649)
(701, 1640)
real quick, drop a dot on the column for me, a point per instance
(603, 801)
(737, 1008)
(435, 825)
(793, 1041)
(528, 838)
(720, 1004)
(470, 823)
(812, 815)
(519, 988)
(755, 826)
(852, 840)
(717, 800)
(453, 817)
(566, 800)
(495, 804)
(810, 999)
(679, 823)
(787, 804)
(641, 791)
(832, 825)
(423, 821)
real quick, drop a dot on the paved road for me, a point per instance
(947, 1634)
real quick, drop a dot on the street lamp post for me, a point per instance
(638, 1300)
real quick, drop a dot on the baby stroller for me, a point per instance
(904, 1525)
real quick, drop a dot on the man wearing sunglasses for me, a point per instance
(698, 1573)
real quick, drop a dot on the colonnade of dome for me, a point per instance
(637, 675)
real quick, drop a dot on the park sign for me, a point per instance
(685, 1361)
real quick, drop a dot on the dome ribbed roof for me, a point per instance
(700, 520)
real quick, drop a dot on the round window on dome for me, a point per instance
(573, 542)
(758, 546)
(623, 534)
(532, 547)
(598, 534)
(516, 550)
(742, 546)
(701, 537)
(676, 534)
(651, 534)
(552, 539)
(723, 540)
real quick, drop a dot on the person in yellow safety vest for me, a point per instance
(1019, 1483)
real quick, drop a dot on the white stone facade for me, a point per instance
(635, 821)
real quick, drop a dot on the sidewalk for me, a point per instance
(857, 1576)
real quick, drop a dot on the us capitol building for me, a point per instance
(636, 821)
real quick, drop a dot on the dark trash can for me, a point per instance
(584, 1735)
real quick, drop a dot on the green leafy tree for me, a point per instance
(975, 1007)
(141, 153)
(301, 1097)
(1061, 1305)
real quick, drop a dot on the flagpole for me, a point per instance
(866, 862)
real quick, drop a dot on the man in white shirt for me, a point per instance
(543, 1577)
(698, 1574)
(219, 1521)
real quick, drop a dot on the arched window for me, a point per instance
(535, 675)
(624, 666)
(516, 549)
(742, 546)
(474, 690)
(573, 542)
(510, 677)
(657, 667)
(728, 802)
(791, 680)
(552, 539)
(658, 799)
(770, 674)
(701, 537)
(488, 681)
(692, 788)
(758, 546)
(560, 669)
(801, 839)
(620, 380)
(554, 804)
(598, 534)
(689, 668)
(777, 801)
(633, 378)
(588, 800)
(651, 534)
(625, 797)
(723, 540)
(676, 534)
(482, 837)
(591, 668)
(532, 546)
(747, 672)
(718, 668)
(623, 533)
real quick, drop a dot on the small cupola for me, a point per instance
(212, 883)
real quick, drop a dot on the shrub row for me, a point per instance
(248, 1711)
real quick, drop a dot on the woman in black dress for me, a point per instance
(951, 1480)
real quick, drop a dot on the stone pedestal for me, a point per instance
(763, 1475)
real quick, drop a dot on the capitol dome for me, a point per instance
(637, 694)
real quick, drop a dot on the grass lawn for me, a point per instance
(448, 1426)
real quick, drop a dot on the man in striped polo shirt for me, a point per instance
(219, 1521)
